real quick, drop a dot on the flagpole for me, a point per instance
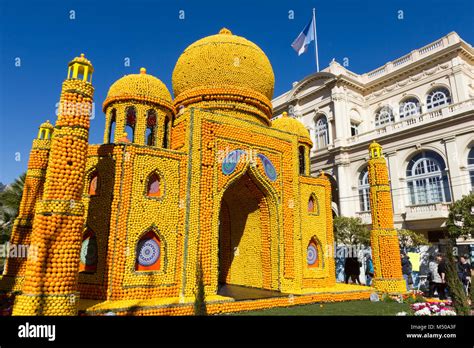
(315, 40)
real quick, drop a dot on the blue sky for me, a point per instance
(152, 35)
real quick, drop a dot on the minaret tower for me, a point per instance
(383, 239)
(50, 285)
(32, 192)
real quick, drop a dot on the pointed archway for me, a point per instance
(245, 242)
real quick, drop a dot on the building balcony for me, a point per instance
(427, 211)
(420, 120)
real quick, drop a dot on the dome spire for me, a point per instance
(225, 31)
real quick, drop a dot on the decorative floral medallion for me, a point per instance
(148, 252)
(312, 255)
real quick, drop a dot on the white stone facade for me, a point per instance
(419, 107)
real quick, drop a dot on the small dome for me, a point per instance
(292, 125)
(224, 61)
(374, 145)
(82, 60)
(46, 125)
(141, 87)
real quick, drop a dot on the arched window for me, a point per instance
(93, 183)
(131, 115)
(153, 188)
(470, 165)
(409, 107)
(113, 120)
(150, 128)
(322, 132)
(427, 179)
(312, 254)
(364, 189)
(313, 206)
(88, 257)
(149, 253)
(439, 96)
(302, 160)
(166, 133)
(384, 116)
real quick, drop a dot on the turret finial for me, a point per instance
(375, 150)
(142, 71)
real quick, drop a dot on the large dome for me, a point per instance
(223, 61)
(141, 87)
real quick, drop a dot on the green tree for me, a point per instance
(200, 299)
(461, 217)
(456, 288)
(10, 199)
(409, 238)
(350, 231)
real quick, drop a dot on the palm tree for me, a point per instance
(10, 199)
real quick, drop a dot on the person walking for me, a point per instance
(369, 269)
(433, 276)
(442, 273)
(464, 272)
(407, 270)
(352, 270)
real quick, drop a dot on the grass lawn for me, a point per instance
(338, 308)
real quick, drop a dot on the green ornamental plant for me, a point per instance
(456, 289)
(200, 299)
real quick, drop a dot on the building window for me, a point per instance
(131, 115)
(93, 184)
(302, 161)
(384, 116)
(312, 254)
(313, 205)
(149, 253)
(322, 132)
(364, 189)
(354, 129)
(470, 166)
(113, 120)
(88, 257)
(427, 179)
(153, 188)
(166, 133)
(438, 97)
(409, 107)
(150, 134)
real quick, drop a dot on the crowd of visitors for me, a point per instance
(436, 273)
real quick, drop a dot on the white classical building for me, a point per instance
(419, 107)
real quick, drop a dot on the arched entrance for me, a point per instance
(245, 250)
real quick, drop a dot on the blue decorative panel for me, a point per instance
(268, 166)
(231, 161)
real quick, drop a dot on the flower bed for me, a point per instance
(433, 308)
